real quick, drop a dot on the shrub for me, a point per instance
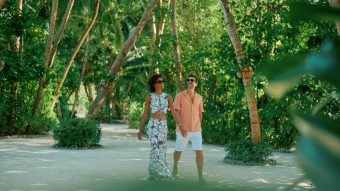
(245, 152)
(43, 124)
(135, 113)
(77, 132)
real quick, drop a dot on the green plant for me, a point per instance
(135, 113)
(77, 132)
(43, 124)
(318, 147)
(246, 152)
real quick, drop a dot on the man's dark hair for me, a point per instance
(193, 76)
(152, 82)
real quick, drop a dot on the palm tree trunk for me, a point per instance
(60, 32)
(49, 42)
(336, 3)
(104, 89)
(176, 46)
(246, 72)
(59, 86)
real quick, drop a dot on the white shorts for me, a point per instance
(194, 137)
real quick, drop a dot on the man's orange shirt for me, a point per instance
(189, 112)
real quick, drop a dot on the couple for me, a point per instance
(187, 111)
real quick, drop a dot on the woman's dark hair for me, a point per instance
(152, 81)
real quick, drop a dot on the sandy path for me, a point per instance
(33, 164)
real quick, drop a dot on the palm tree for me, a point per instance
(245, 73)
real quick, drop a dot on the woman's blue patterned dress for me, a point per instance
(157, 131)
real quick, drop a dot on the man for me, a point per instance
(189, 107)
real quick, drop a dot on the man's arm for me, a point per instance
(201, 117)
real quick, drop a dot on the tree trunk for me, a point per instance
(59, 86)
(246, 72)
(59, 112)
(2, 64)
(104, 89)
(60, 33)
(14, 86)
(176, 46)
(336, 3)
(154, 31)
(17, 42)
(78, 89)
(51, 49)
(89, 94)
(157, 28)
(49, 42)
(2, 3)
(103, 92)
(161, 22)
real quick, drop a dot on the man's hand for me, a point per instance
(183, 132)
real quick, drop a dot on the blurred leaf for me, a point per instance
(326, 64)
(319, 151)
(278, 88)
(283, 74)
(307, 11)
(324, 132)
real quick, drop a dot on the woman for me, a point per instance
(157, 130)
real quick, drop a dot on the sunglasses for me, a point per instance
(160, 81)
(191, 80)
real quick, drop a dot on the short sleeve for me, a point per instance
(177, 102)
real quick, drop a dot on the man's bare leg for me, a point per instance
(177, 156)
(199, 163)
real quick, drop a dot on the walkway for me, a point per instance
(33, 164)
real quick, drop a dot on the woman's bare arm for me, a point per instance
(143, 118)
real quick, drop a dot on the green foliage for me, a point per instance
(43, 124)
(247, 152)
(77, 132)
(318, 146)
(135, 113)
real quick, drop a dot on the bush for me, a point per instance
(135, 113)
(245, 152)
(43, 124)
(77, 132)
